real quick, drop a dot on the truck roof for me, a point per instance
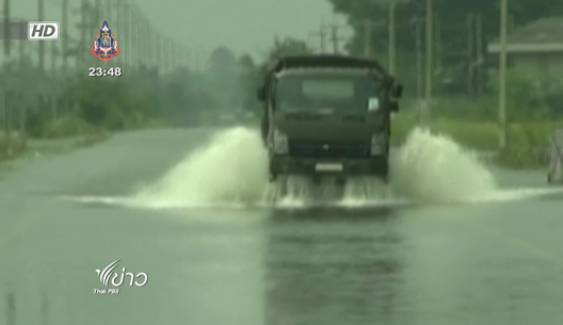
(325, 61)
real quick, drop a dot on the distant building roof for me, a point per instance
(544, 35)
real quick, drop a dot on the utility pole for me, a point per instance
(153, 49)
(128, 16)
(64, 33)
(135, 48)
(322, 35)
(368, 25)
(392, 45)
(165, 55)
(7, 116)
(41, 12)
(503, 139)
(169, 55)
(119, 19)
(437, 36)
(139, 35)
(21, 51)
(429, 61)
(470, 54)
(122, 11)
(158, 48)
(474, 54)
(97, 21)
(7, 31)
(83, 26)
(23, 124)
(108, 11)
(479, 49)
(417, 26)
(54, 55)
(147, 48)
(334, 37)
(98, 11)
(149, 44)
(93, 18)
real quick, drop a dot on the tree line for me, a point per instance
(462, 29)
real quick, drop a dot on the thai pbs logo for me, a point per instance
(112, 280)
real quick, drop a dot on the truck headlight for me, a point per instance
(378, 144)
(280, 143)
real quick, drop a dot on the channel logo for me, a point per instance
(42, 30)
(112, 280)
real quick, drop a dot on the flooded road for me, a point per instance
(449, 243)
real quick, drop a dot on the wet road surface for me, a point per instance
(495, 262)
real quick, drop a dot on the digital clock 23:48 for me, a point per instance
(105, 72)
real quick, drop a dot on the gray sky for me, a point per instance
(243, 25)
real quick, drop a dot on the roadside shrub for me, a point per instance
(532, 96)
(66, 126)
(528, 145)
(11, 148)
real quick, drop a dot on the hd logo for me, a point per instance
(43, 30)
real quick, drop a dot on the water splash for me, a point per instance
(434, 169)
(231, 171)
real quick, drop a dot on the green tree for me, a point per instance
(288, 47)
(249, 80)
(452, 32)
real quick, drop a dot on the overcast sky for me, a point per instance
(243, 25)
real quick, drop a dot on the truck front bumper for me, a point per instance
(377, 165)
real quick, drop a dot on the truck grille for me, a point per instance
(329, 149)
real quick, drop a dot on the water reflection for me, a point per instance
(332, 266)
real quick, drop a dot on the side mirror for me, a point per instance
(261, 93)
(397, 91)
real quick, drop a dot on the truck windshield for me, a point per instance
(333, 93)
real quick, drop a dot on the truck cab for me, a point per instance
(327, 114)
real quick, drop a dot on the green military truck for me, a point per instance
(328, 115)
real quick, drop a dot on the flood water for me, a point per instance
(450, 241)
